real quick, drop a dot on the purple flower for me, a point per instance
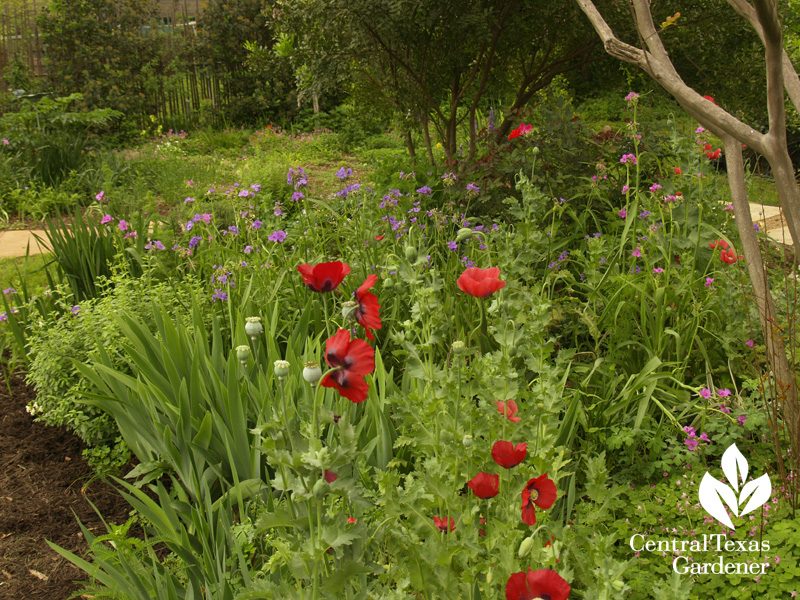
(123, 225)
(9, 291)
(189, 225)
(188, 199)
(277, 236)
(75, 310)
(154, 245)
(756, 227)
(471, 187)
(691, 444)
(256, 187)
(256, 224)
(297, 196)
(248, 249)
(244, 193)
(233, 229)
(424, 190)
(219, 295)
(705, 393)
(195, 240)
(622, 213)
(453, 246)
(344, 173)
(130, 234)
(644, 214)
(741, 419)
(278, 212)
(206, 218)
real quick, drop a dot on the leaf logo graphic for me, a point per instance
(715, 496)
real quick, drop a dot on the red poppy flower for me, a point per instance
(714, 155)
(719, 243)
(355, 358)
(540, 491)
(480, 283)
(324, 277)
(378, 238)
(368, 311)
(521, 130)
(508, 409)
(508, 455)
(442, 524)
(729, 256)
(485, 485)
(330, 476)
(710, 99)
(678, 171)
(351, 520)
(543, 583)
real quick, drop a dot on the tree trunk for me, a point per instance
(785, 378)
(427, 135)
(473, 134)
(412, 153)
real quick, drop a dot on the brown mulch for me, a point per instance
(41, 479)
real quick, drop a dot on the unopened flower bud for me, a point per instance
(618, 585)
(411, 253)
(388, 283)
(253, 327)
(467, 441)
(312, 372)
(463, 234)
(349, 309)
(242, 353)
(525, 547)
(281, 368)
(459, 347)
(489, 577)
(535, 150)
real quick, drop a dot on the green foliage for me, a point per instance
(56, 344)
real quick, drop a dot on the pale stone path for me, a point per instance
(15, 243)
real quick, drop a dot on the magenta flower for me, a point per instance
(106, 219)
(705, 393)
(628, 158)
(741, 419)
(692, 444)
(689, 431)
(123, 225)
(99, 196)
(637, 253)
(625, 189)
(622, 214)
(632, 96)
(749, 343)
(724, 409)
(657, 270)
(709, 281)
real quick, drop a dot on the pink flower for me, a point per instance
(709, 281)
(123, 225)
(637, 253)
(625, 189)
(99, 196)
(723, 392)
(622, 214)
(741, 419)
(106, 219)
(632, 96)
(705, 393)
(691, 444)
(749, 343)
(724, 409)
(657, 270)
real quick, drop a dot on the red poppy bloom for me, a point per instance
(480, 283)
(355, 358)
(378, 238)
(508, 455)
(442, 524)
(729, 256)
(540, 491)
(330, 476)
(324, 277)
(678, 171)
(485, 485)
(351, 520)
(521, 130)
(719, 243)
(543, 583)
(714, 155)
(710, 99)
(367, 313)
(508, 409)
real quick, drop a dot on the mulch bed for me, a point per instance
(42, 476)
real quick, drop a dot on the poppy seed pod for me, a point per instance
(535, 150)
(464, 233)
(312, 372)
(253, 327)
(242, 353)
(281, 368)
(411, 253)
(466, 441)
(459, 347)
(348, 308)
(388, 283)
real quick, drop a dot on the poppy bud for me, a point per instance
(388, 283)
(463, 234)
(618, 585)
(242, 353)
(525, 547)
(312, 372)
(535, 150)
(467, 441)
(459, 347)
(320, 488)
(281, 368)
(411, 253)
(489, 577)
(349, 309)
(253, 327)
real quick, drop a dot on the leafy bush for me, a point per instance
(57, 345)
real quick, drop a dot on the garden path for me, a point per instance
(16, 243)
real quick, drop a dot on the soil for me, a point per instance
(42, 479)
